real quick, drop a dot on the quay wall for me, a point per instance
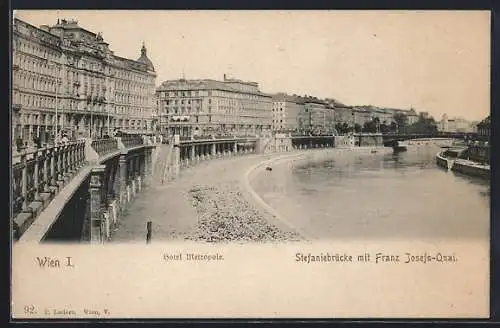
(443, 162)
(471, 168)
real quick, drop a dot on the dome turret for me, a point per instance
(144, 58)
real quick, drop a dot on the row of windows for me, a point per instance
(91, 79)
(132, 87)
(43, 67)
(213, 93)
(181, 110)
(33, 101)
(91, 89)
(33, 81)
(36, 101)
(129, 75)
(168, 94)
(227, 94)
(37, 50)
(42, 51)
(30, 80)
(183, 101)
(36, 65)
(133, 100)
(132, 111)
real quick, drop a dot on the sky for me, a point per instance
(434, 61)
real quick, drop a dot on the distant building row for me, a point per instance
(235, 107)
(456, 124)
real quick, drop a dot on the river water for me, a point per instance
(360, 194)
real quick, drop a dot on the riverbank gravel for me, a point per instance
(224, 215)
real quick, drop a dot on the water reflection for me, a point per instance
(380, 195)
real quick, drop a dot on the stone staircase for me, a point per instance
(265, 145)
(162, 163)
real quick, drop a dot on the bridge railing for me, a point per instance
(105, 146)
(35, 172)
(132, 140)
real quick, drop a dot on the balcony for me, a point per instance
(181, 118)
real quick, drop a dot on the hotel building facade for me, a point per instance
(456, 124)
(210, 107)
(286, 110)
(66, 80)
(317, 118)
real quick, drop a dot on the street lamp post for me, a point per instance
(91, 117)
(107, 105)
(353, 122)
(53, 65)
(107, 110)
(57, 103)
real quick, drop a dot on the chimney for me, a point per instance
(224, 76)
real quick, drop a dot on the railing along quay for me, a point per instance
(38, 173)
(105, 146)
(130, 141)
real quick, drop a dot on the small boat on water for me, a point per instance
(400, 146)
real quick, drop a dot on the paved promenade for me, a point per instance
(169, 206)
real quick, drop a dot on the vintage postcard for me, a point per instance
(250, 164)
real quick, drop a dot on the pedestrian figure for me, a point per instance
(19, 143)
(149, 231)
(37, 142)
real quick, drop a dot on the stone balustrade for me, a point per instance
(38, 174)
(105, 146)
(193, 150)
(132, 140)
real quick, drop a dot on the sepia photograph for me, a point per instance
(250, 164)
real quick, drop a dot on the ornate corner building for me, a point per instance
(67, 80)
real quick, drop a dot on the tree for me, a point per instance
(372, 125)
(357, 128)
(401, 119)
(401, 122)
(384, 127)
(343, 128)
(393, 127)
(339, 127)
(425, 125)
